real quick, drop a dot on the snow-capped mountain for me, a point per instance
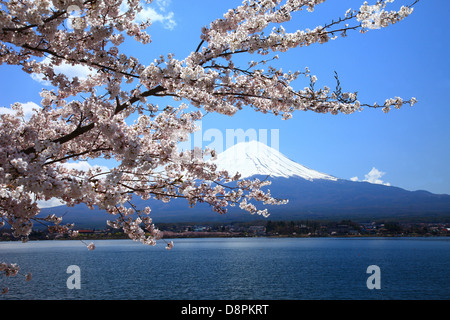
(256, 158)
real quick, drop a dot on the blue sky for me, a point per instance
(409, 59)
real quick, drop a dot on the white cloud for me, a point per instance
(4, 110)
(163, 4)
(40, 78)
(151, 14)
(71, 71)
(28, 109)
(158, 14)
(84, 166)
(53, 202)
(373, 176)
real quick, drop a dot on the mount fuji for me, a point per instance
(255, 158)
(311, 195)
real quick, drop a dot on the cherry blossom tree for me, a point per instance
(112, 114)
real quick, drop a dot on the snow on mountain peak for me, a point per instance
(256, 158)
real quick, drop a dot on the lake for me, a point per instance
(232, 269)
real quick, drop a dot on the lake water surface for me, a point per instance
(232, 269)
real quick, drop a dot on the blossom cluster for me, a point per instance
(83, 119)
(375, 17)
(11, 270)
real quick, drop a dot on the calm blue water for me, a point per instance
(238, 268)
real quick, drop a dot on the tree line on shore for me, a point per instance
(302, 228)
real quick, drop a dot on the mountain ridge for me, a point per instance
(311, 195)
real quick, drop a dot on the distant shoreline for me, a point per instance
(240, 235)
(269, 229)
(201, 235)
